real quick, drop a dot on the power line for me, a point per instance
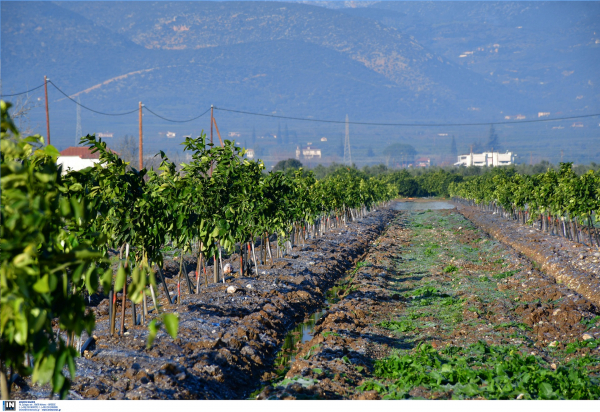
(405, 124)
(122, 114)
(176, 121)
(87, 108)
(305, 119)
(17, 94)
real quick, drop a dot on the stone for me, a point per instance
(553, 344)
(91, 392)
(587, 336)
(231, 289)
(298, 280)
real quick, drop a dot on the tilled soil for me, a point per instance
(226, 341)
(571, 263)
(434, 278)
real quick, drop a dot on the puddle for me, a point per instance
(435, 205)
(297, 337)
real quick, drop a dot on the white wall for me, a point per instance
(74, 163)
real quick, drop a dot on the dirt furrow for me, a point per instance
(226, 341)
(574, 264)
(439, 310)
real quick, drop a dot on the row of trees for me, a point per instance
(560, 202)
(57, 230)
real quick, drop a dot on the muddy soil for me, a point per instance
(568, 262)
(227, 341)
(433, 278)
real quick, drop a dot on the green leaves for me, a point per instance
(45, 254)
(492, 372)
(171, 323)
(121, 278)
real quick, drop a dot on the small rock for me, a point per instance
(587, 336)
(520, 396)
(227, 269)
(553, 344)
(231, 289)
(555, 312)
(553, 366)
(249, 286)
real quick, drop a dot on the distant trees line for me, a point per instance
(431, 181)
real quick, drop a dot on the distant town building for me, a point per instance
(423, 162)
(77, 158)
(486, 159)
(308, 153)
(104, 135)
(323, 139)
(577, 124)
(234, 134)
(543, 114)
(171, 135)
(250, 153)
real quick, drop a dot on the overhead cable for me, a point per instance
(177, 121)
(17, 94)
(305, 119)
(87, 108)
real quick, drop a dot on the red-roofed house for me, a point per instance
(423, 162)
(77, 158)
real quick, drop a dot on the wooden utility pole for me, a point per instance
(211, 123)
(47, 112)
(211, 135)
(218, 134)
(141, 140)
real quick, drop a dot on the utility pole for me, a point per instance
(78, 132)
(141, 140)
(347, 154)
(211, 134)
(47, 112)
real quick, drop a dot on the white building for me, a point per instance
(77, 158)
(250, 153)
(308, 153)
(486, 159)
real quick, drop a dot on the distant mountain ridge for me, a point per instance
(385, 62)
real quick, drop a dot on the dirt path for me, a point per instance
(438, 309)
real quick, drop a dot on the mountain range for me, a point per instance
(383, 62)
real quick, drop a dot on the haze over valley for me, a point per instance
(378, 62)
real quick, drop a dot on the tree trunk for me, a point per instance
(4, 388)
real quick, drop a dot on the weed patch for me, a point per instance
(492, 372)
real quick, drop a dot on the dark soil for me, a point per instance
(226, 341)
